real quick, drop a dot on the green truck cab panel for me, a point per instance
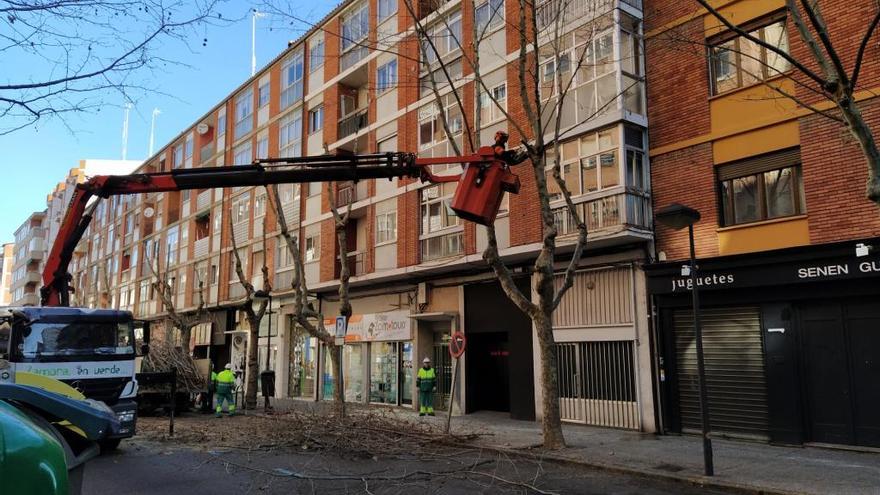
(32, 461)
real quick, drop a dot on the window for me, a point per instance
(386, 77)
(313, 248)
(316, 119)
(290, 135)
(188, 147)
(171, 245)
(316, 54)
(439, 79)
(263, 147)
(260, 206)
(489, 16)
(221, 124)
(588, 164)
(243, 154)
(355, 26)
(292, 80)
(736, 62)
(241, 208)
(244, 110)
(761, 188)
(436, 212)
(178, 156)
(386, 227)
(445, 38)
(386, 9)
(264, 95)
(431, 129)
(489, 104)
(283, 257)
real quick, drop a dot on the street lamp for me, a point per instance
(678, 216)
(267, 376)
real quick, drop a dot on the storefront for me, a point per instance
(377, 360)
(791, 341)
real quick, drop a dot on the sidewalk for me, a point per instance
(743, 466)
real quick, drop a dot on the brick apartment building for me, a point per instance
(417, 270)
(790, 312)
(28, 254)
(6, 263)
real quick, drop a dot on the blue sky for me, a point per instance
(35, 159)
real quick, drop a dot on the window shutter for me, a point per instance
(758, 164)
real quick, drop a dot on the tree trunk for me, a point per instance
(185, 336)
(339, 386)
(551, 424)
(860, 130)
(253, 365)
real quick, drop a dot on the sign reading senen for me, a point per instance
(371, 327)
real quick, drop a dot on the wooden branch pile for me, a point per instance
(163, 358)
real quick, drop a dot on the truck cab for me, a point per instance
(78, 352)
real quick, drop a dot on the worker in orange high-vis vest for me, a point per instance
(426, 382)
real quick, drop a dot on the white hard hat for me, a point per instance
(229, 366)
(426, 360)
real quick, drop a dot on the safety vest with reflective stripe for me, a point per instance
(427, 378)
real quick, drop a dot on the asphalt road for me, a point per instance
(142, 467)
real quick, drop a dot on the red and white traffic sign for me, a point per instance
(457, 343)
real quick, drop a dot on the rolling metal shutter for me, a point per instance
(737, 389)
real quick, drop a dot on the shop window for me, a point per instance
(735, 61)
(353, 360)
(383, 372)
(302, 372)
(762, 188)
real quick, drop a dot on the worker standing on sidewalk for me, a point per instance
(426, 382)
(225, 385)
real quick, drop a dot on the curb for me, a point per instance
(694, 480)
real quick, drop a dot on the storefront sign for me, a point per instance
(374, 327)
(714, 275)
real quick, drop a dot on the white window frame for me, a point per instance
(290, 135)
(312, 251)
(244, 113)
(492, 103)
(316, 52)
(494, 16)
(385, 9)
(359, 18)
(243, 154)
(386, 227)
(263, 147)
(292, 78)
(386, 76)
(264, 94)
(316, 116)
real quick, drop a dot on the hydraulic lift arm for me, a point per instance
(487, 166)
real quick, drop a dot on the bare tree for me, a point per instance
(72, 55)
(823, 75)
(164, 285)
(304, 313)
(254, 316)
(541, 136)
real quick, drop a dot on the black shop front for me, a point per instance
(791, 340)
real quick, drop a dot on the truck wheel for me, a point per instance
(109, 445)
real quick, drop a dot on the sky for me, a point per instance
(35, 159)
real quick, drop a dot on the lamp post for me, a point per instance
(678, 216)
(267, 376)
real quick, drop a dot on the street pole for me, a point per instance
(708, 466)
(451, 395)
(267, 405)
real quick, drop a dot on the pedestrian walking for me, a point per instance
(426, 382)
(225, 386)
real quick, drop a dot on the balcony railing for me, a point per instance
(442, 246)
(201, 247)
(357, 265)
(566, 11)
(352, 123)
(618, 211)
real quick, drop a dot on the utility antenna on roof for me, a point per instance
(125, 131)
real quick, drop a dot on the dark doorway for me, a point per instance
(840, 348)
(499, 358)
(489, 371)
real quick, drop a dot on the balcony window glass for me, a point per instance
(431, 130)
(386, 227)
(188, 147)
(355, 26)
(241, 209)
(386, 77)
(221, 124)
(386, 9)
(436, 212)
(489, 16)
(178, 156)
(243, 154)
(492, 104)
(263, 147)
(316, 119)
(290, 135)
(316, 54)
(264, 95)
(292, 80)
(736, 61)
(353, 361)
(244, 111)
(383, 372)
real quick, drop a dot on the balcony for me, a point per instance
(566, 11)
(352, 123)
(442, 246)
(36, 249)
(32, 278)
(349, 193)
(29, 299)
(201, 247)
(625, 214)
(357, 265)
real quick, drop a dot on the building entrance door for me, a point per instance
(840, 343)
(489, 370)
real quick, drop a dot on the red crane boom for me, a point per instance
(485, 180)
